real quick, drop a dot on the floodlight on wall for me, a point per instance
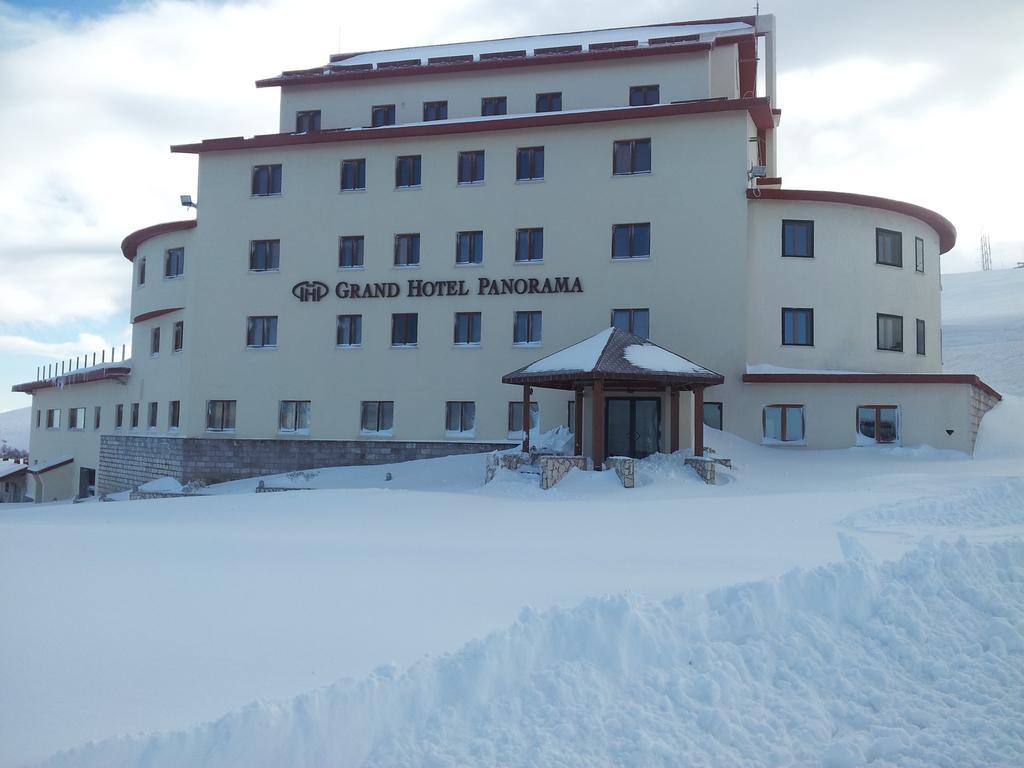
(186, 202)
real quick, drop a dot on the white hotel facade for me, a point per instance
(354, 287)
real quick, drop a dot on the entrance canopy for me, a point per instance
(614, 360)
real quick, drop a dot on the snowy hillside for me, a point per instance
(14, 427)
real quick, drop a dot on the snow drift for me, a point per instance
(918, 662)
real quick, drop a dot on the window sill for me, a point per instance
(350, 191)
(257, 196)
(468, 264)
(173, 430)
(175, 277)
(154, 355)
(353, 268)
(263, 271)
(538, 180)
(796, 256)
(479, 183)
(176, 352)
(630, 174)
(348, 346)
(220, 431)
(409, 188)
(467, 435)
(377, 433)
(529, 261)
(406, 266)
(466, 345)
(527, 344)
(784, 345)
(403, 346)
(263, 347)
(298, 432)
(615, 259)
(880, 349)
(884, 264)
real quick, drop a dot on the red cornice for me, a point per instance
(130, 245)
(942, 226)
(155, 313)
(83, 377)
(758, 109)
(870, 378)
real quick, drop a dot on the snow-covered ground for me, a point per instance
(14, 427)
(817, 608)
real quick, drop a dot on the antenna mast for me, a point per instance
(986, 254)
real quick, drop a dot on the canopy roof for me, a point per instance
(615, 357)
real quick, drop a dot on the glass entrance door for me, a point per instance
(632, 426)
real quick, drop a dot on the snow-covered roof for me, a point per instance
(46, 466)
(8, 468)
(79, 376)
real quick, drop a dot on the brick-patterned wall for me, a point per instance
(127, 461)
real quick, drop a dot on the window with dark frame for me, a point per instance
(407, 250)
(404, 329)
(293, 415)
(888, 247)
(631, 156)
(570, 420)
(797, 327)
(530, 244)
(471, 167)
(878, 422)
(220, 415)
(134, 416)
(530, 164)
(142, 270)
(96, 417)
(635, 321)
(350, 331)
(712, 416)
(469, 247)
(382, 114)
(353, 175)
(890, 332)
(76, 419)
(153, 412)
(178, 336)
(266, 180)
(631, 241)
(377, 415)
(350, 252)
(174, 262)
(39, 417)
(264, 255)
(919, 255)
(435, 110)
(119, 416)
(493, 105)
(407, 171)
(783, 423)
(174, 414)
(549, 102)
(797, 239)
(459, 416)
(261, 331)
(527, 327)
(53, 418)
(467, 328)
(920, 337)
(154, 342)
(307, 120)
(515, 416)
(641, 95)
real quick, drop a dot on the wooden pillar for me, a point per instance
(673, 410)
(526, 418)
(698, 420)
(597, 426)
(577, 446)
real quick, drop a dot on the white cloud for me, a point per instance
(85, 345)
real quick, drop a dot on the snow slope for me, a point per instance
(14, 427)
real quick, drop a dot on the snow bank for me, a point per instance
(1002, 430)
(986, 507)
(919, 662)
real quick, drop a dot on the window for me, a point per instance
(404, 329)
(798, 238)
(378, 416)
(890, 332)
(888, 247)
(467, 328)
(529, 163)
(797, 327)
(549, 102)
(96, 417)
(307, 120)
(134, 418)
(529, 244)
(76, 419)
(459, 416)
(178, 341)
(407, 250)
(119, 416)
(264, 255)
(631, 241)
(878, 423)
(493, 105)
(919, 255)
(382, 114)
(515, 416)
(266, 180)
(350, 252)
(920, 337)
(471, 167)
(435, 110)
(469, 248)
(713, 415)
(350, 331)
(293, 416)
(174, 262)
(353, 175)
(631, 156)
(527, 328)
(154, 342)
(635, 321)
(39, 418)
(151, 421)
(261, 331)
(142, 270)
(174, 414)
(220, 415)
(640, 95)
(783, 423)
(407, 171)
(53, 418)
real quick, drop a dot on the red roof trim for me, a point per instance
(83, 377)
(870, 378)
(155, 313)
(758, 109)
(943, 226)
(130, 245)
(52, 466)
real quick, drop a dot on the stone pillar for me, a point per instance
(577, 446)
(698, 420)
(526, 418)
(673, 410)
(597, 421)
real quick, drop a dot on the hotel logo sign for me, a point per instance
(314, 290)
(310, 290)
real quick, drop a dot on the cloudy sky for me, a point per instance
(906, 99)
